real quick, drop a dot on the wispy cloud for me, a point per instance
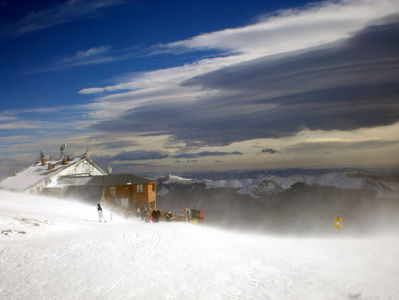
(157, 155)
(11, 113)
(45, 119)
(337, 146)
(91, 52)
(6, 118)
(22, 125)
(205, 153)
(116, 144)
(91, 56)
(140, 155)
(269, 150)
(63, 13)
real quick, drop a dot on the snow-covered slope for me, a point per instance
(55, 249)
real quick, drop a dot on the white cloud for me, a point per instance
(91, 52)
(21, 125)
(295, 29)
(6, 118)
(93, 55)
(164, 78)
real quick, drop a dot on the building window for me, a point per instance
(139, 188)
(153, 187)
(112, 191)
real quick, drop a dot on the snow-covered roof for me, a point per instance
(36, 173)
(102, 180)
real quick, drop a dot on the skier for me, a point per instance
(142, 214)
(100, 213)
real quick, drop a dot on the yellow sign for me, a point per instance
(338, 222)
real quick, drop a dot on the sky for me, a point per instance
(168, 86)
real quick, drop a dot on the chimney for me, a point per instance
(109, 170)
(50, 166)
(43, 158)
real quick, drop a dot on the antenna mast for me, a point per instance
(62, 150)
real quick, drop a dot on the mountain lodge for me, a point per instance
(80, 178)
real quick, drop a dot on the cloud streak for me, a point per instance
(293, 29)
(139, 155)
(145, 155)
(116, 144)
(206, 153)
(68, 11)
(269, 150)
(337, 146)
(91, 56)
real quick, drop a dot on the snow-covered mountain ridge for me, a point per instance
(384, 186)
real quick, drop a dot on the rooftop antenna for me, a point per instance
(87, 153)
(62, 150)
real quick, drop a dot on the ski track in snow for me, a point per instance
(70, 255)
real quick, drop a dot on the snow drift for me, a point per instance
(57, 249)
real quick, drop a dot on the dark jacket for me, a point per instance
(99, 208)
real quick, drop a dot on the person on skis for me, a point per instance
(100, 213)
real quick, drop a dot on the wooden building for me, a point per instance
(130, 191)
(126, 191)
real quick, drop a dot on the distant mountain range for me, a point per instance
(291, 203)
(383, 185)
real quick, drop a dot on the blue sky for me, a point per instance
(150, 85)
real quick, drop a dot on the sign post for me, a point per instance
(338, 222)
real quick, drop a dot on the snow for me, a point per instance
(234, 183)
(177, 179)
(339, 180)
(33, 175)
(163, 191)
(70, 255)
